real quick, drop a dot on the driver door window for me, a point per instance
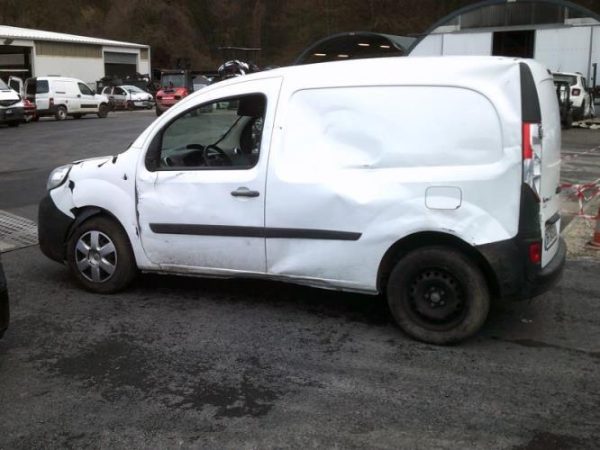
(224, 134)
(84, 89)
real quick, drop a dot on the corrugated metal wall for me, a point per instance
(67, 50)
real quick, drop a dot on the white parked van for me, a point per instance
(11, 106)
(62, 97)
(434, 181)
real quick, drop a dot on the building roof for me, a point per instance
(495, 14)
(355, 45)
(7, 32)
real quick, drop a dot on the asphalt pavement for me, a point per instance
(180, 362)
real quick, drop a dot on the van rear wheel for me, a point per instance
(438, 295)
(61, 113)
(99, 256)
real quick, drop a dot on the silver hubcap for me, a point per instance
(96, 256)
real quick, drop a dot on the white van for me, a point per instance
(433, 181)
(12, 110)
(63, 97)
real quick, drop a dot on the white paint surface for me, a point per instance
(347, 146)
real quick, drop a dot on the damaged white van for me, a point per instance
(434, 181)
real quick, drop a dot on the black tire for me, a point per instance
(77, 116)
(158, 111)
(103, 110)
(93, 263)
(36, 118)
(569, 120)
(438, 295)
(129, 106)
(13, 124)
(61, 113)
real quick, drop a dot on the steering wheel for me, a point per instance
(214, 156)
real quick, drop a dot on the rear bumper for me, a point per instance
(516, 278)
(540, 281)
(53, 228)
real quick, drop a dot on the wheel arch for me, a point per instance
(85, 213)
(427, 239)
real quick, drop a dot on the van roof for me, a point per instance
(58, 78)
(444, 70)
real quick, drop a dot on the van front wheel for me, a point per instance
(103, 111)
(99, 256)
(437, 295)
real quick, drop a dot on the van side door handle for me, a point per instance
(244, 192)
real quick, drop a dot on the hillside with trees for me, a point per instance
(195, 29)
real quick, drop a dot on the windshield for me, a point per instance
(132, 89)
(3, 86)
(571, 79)
(172, 80)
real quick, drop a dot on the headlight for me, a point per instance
(58, 176)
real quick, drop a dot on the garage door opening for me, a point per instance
(15, 61)
(518, 44)
(120, 65)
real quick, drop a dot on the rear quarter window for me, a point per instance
(41, 87)
(389, 127)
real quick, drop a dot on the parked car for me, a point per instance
(287, 186)
(128, 97)
(176, 85)
(583, 106)
(4, 307)
(11, 106)
(62, 97)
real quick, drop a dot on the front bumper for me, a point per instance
(53, 229)
(11, 114)
(515, 277)
(143, 103)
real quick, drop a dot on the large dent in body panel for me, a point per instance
(371, 127)
(383, 198)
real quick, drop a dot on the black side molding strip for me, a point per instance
(260, 232)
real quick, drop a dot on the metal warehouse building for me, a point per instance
(25, 53)
(560, 34)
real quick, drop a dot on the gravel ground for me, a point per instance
(182, 363)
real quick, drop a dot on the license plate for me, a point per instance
(8, 112)
(551, 235)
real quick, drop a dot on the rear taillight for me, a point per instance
(575, 92)
(532, 157)
(535, 253)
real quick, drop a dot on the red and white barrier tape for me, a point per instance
(583, 193)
